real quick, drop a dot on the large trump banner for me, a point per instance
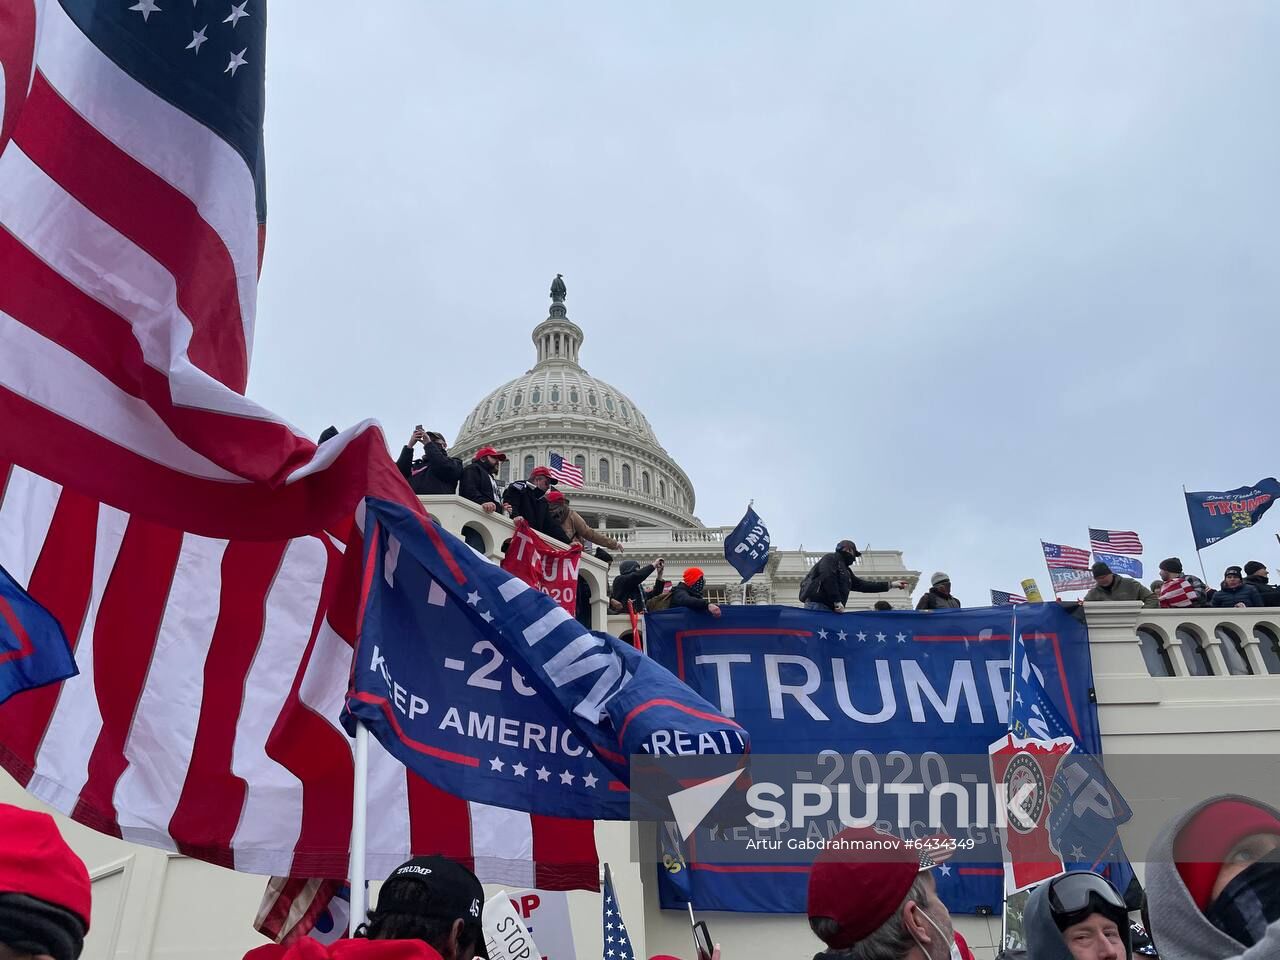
(896, 689)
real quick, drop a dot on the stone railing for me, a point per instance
(460, 516)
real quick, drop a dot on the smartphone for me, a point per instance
(418, 427)
(701, 937)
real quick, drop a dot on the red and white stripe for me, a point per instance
(205, 716)
(567, 472)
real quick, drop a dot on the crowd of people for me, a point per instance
(1212, 893)
(1247, 586)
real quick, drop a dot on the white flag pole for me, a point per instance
(359, 827)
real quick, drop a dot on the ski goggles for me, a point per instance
(1075, 895)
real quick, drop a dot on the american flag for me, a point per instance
(1072, 558)
(1001, 599)
(564, 471)
(617, 942)
(1115, 541)
(193, 545)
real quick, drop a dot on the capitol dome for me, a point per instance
(557, 407)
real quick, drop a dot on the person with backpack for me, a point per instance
(628, 585)
(829, 582)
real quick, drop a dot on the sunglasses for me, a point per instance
(1072, 892)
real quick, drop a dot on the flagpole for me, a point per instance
(1013, 686)
(1203, 576)
(359, 827)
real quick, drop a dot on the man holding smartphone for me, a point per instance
(435, 472)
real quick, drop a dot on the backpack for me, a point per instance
(661, 602)
(809, 585)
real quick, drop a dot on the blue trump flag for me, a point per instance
(1119, 563)
(1217, 515)
(1085, 808)
(747, 548)
(487, 688)
(33, 649)
(804, 682)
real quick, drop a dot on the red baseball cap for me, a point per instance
(554, 496)
(544, 472)
(36, 861)
(489, 452)
(859, 880)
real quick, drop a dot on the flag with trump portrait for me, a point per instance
(488, 688)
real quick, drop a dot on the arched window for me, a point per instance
(604, 470)
(626, 475)
(517, 399)
(662, 489)
(535, 396)
(608, 402)
(485, 415)
(591, 397)
(625, 412)
(555, 393)
(1154, 653)
(1268, 647)
(1194, 653)
(644, 481)
(581, 463)
(573, 394)
(1232, 647)
(504, 472)
(528, 465)
(502, 402)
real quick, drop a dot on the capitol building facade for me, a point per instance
(634, 491)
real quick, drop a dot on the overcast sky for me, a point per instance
(949, 279)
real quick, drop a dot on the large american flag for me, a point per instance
(193, 545)
(1115, 541)
(564, 471)
(1072, 558)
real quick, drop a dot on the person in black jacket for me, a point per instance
(528, 499)
(1255, 574)
(436, 472)
(939, 596)
(1235, 592)
(834, 580)
(628, 585)
(479, 480)
(688, 593)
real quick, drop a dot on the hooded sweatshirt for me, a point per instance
(1044, 939)
(1179, 928)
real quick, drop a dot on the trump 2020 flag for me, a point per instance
(33, 649)
(747, 548)
(1217, 515)
(490, 690)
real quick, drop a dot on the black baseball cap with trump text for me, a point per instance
(452, 892)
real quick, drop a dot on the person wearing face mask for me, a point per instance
(871, 898)
(832, 580)
(1213, 882)
(1077, 916)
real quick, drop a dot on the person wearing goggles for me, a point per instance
(1077, 916)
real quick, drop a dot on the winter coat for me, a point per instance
(355, 949)
(1245, 593)
(933, 600)
(435, 473)
(682, 596)
(627, 585)
(1268, 593)
(1122, 588)
(531, 503)
(835, 581)
(478, 485)
(1044, 939)
(572, 525)
(1180, 928)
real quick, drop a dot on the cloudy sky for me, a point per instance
(949, 279)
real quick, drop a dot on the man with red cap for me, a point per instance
(872, 897)
(528, 499)
(689, 593)
(479, 482)
(1213, 882)
(44, 889)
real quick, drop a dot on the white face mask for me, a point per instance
(955, 947)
